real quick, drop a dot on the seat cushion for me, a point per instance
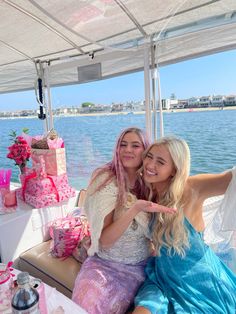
(56, 272)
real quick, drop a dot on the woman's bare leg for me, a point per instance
(141, 310)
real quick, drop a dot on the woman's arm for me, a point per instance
(209, 185)
(113, 230)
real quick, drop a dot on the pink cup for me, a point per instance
(9, 199)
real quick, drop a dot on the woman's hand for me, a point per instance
(150, 207)
(112, 230)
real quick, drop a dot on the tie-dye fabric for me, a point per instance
(197, 283)
(107, 287)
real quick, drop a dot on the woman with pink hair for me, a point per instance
(119, 218)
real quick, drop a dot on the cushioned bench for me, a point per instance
(56, 272)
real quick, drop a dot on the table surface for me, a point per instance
(58, 303)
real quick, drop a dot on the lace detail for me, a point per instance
(134, 240)
(134, 245)
(131, 248)
(97, 206)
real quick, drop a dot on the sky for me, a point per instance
(211, 75)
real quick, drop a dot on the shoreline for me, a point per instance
(128, 113)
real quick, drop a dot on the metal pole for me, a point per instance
(160, 104)
(49, 104)
(154, 107)
(147, 90)
(160, 101)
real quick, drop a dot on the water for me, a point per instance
(89, 140)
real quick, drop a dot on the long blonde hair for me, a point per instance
(169, 230)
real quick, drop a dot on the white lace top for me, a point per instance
(134, 245)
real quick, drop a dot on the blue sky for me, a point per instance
(214, 74)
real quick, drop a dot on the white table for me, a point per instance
(56, 299)
(28, 226)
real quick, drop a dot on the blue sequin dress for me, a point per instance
(198, 283)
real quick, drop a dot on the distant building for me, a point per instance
(230, 100)
(217, 101)
(183, 103)
(117, 107)
(205, 101)
(193, 102)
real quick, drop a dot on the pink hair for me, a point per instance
(114, 168)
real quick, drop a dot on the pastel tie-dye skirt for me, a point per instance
(107, 287)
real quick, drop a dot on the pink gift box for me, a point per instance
(55, 160)
(46, 191)
(45, 200)
(48, 185)
(37, 187)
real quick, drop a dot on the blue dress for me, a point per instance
(198, 283)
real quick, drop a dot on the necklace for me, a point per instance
(134, 225)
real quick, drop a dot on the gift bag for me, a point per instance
(55, 160)
(66, 233)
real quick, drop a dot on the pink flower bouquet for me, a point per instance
(20, 151)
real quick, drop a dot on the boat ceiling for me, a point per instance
(84, 40)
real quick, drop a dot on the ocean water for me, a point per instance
(89, 140)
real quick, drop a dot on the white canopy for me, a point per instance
(108, 36)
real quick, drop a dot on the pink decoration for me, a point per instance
(66, 233)
(5, 178)
(20, 152)
(6, 286)
(47, 191)
(55, 160)
(10, 199)
(55, 143)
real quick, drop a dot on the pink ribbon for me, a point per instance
(8, 268)
(33, 175)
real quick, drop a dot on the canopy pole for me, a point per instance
(49, 104)
(154, 104)
(159, 99)
(147, 90)
(160, 103)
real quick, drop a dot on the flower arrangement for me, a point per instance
(19, 151)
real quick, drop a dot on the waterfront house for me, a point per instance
(217, 101)
(230, 100)
(205, 101)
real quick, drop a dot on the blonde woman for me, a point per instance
(186, 276)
